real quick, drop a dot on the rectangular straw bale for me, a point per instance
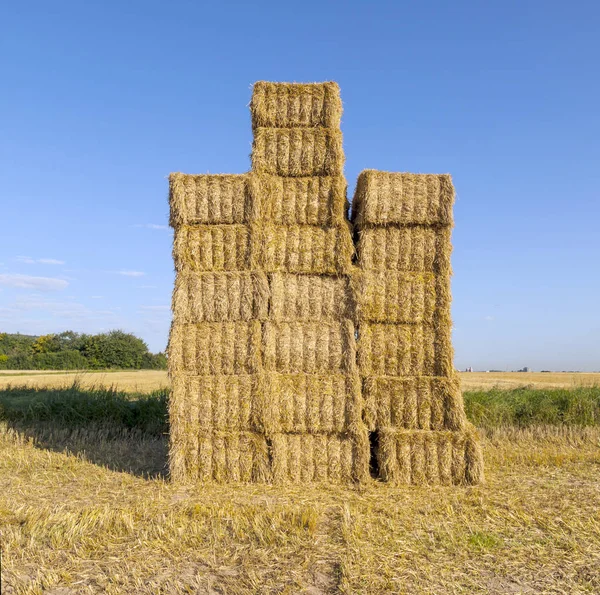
(309, 347)
(305, 248)
(213, 248)
(384, 198)
(312, 403)
(309, 297)
(313, 200)
(298, 152)
(233, 456)
(220, 297)
(404, 350)
(215, 348)
(418, 249)
(314, 457)
(430, 458)
(209, 198)
(422, 402)
(218, 402)
(391, 296)
(281, 105)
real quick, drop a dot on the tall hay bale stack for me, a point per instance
(312, 387)
(402, 294)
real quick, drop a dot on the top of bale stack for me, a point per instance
(295, 105)
(384, 198)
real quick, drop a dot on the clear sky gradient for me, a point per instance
(100, 101)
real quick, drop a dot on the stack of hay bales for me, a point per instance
(413, 404)
(262, 350)
(311, 383)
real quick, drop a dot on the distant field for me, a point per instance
(148, 380)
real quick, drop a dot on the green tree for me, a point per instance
(115, 349)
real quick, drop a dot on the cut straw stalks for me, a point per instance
(215, 348)
(298, 152)
(247, 198)
(220, 297)
(313, 458)
(384, 198)
(310, 403)
(416, 403)
(266, 247)
(390, 296)
(420, 457)
(309, 347)
(417, 249)
(405, 350)
(282, 105)
(297, 298)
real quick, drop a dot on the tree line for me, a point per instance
(77, 351)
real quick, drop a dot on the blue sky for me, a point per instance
(101, 100)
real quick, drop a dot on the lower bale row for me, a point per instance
(311, 347)
(284, 458)
(403, 457)
(267, 403)
(430, 458)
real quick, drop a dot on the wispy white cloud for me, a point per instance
(488, 318)
(152, 226)
(30, 282)
(30, 260)
(131, 273)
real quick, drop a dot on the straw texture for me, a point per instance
(417, 249)
(309, 347)
(317, 457)
(311, 403)
(305, 248)
(404, 350)
(282, 105)
(298, 151)
(309, 297)
(384, 198)
(308, 200)
(197, 199)
(215, 348)
(423, 457)
(421, 402)
(220, 297)
(390, 296)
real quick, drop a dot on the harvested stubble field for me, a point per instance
(85, 507)
(149, 380)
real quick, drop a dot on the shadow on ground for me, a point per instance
(120, 431)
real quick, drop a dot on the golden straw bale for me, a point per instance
(314, 457)
(309, 297)
(217, 402)
(430, 457)
(309, 347)
(220, 297)
(384, 198)
(281, 105)
(298, 152)
(313, 403)
(390, 296)
(213, 248)
(232, 456)
(209, 198)
(404, 350)
(304, 248)
(309, 200)
(421, 402)
(417, 249)
(215, 348)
